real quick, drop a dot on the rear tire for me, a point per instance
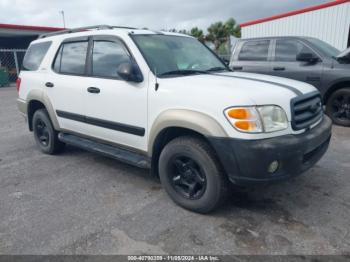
(338, 107)
(46, 137)
(191, 174)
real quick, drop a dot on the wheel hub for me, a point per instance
(187, 177)
(42, 132)
(341, 107)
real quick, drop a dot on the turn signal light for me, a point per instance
(244, 119)
(246, 125)
(239, 113)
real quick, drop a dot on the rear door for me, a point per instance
(65, 83)
(252, 56)
(284, 62)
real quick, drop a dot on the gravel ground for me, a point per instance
(83, 203)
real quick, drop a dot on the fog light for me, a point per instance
(273, 167)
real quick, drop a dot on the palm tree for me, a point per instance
(198, 33)
(220, 32)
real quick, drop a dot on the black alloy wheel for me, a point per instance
(45, 135)
(338, 107)
(42, 132)
(191, 174)
(187, 177)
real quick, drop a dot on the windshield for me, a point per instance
(167, 54)
(345, 53)
(324, 47)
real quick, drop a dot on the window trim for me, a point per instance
(293, 39)
(66, 41)
(269, 50)
(88, 61)
(106, 38)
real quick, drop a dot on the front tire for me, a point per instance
(45, 135)
(338, 107)
(191, 174)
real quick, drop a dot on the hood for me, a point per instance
(236, 89)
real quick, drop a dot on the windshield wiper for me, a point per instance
(193, 71)
(183, 72)
(218, 68)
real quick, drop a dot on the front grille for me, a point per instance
(306, 110)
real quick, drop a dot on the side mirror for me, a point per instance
(129, 71)
(307, 57)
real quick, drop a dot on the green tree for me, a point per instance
(183, 31)
(198, 33)
(233, 28)
(172, 30)
(220, 32)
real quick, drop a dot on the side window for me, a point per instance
(287, 50)
(35, 55)
(254, 51)
(106, 57)
(71, 58)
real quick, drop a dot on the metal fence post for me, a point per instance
(16, 62)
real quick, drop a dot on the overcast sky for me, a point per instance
(154, 14)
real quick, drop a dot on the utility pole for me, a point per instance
(64, 20)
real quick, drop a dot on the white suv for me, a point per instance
(165, 101)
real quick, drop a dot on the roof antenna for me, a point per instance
(157, 84)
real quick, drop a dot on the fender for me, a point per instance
(41, 96)
(337, 81)
(333, 85)
(196, 121)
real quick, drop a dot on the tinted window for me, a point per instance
(288, 49)
(71, 58)
(254, 51)
(35, 56)
(106, 58)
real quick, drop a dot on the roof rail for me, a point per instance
(80, 29)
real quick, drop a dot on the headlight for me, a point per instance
(273, 117)
(257, 119)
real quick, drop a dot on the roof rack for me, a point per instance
(81, 29)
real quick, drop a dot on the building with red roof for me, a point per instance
(329, 22)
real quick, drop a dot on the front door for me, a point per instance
(116, 110)
(284, 62)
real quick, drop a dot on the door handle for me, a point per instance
(237, 67)
(93, 90)
(49, 84)
(279, 68)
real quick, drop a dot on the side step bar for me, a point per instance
(123, 155)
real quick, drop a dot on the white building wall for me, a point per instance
(330, 24)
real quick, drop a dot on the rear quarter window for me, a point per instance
(35, 55)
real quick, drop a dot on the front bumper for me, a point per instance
(247, 161)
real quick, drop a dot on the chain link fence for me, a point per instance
(10, 64)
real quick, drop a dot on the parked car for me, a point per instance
(164, 101)
(301, 58)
